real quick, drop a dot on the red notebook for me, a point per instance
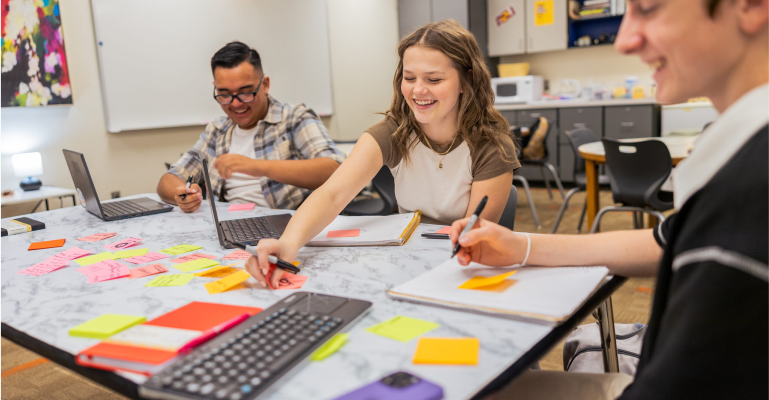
(197, 316)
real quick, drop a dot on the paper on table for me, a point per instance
(180, 249)
(104, 271)
(70, 254)
(492, 283)
(237, 255)
(241, 207)
(445, 230)
(402, 328)
(192, 257)
(44, 267)
(343, 233)
(97, 237)
(219, 271)
(130, 253)
(170, 280)
(132, 241)
(227, 283)
(106, 325)
(49, 244)
(287, 281)
(330, 347)
(149, 257)
(456, 351)
(195, 264)
(373, 230)
(147, 270)
(83, 261)
(154, 337)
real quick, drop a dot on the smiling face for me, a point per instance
(243, 79)
(431, 87)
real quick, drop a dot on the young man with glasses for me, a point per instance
(264, 151)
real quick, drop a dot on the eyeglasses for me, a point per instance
(243, 97)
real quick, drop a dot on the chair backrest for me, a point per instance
(637, 171)
(508, 215)
(578, 137)
(384, 184)
(532, 131)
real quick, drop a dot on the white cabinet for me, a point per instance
(506, 37)
(413, 14)
(536, 26)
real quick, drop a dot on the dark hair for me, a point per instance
(233, 54)
(712, 5)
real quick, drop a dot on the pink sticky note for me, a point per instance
(237, 255)
(105, 270)
(344, 233)
(147, 270)
(149, 257)
(132, 241)
(241, 207)
(97, 237)
(445, 230)
(43, 268)
(287, 281)
(192, 257)
(70, 254)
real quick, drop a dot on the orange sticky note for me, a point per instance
(445, 230)
(457, 351)
(492, 283)
(47, 245)
(219, 271)
(227, 283)
(343, 233)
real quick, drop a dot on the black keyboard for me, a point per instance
(118, 208)
(245, 361)
(248, 229)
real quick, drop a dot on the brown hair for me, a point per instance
(478, 120)
(712, 6)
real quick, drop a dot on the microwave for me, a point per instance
(517, 89)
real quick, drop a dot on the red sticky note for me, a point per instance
(287, 281)
(344, 233)
(445, 230)
(192, 257)
(147, 271)
(47, 245)
(241, 207)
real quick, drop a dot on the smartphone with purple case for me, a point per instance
(400, 385)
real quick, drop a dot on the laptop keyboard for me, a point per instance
(243, 230)
(118, 208)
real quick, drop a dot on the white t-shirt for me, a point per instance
(242, 188)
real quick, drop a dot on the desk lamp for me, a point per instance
(26, 166)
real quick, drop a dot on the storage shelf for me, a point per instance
(598, 18)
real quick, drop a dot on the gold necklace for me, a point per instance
(440, 162)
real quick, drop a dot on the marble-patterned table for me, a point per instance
(46, 307)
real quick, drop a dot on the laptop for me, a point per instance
(113, 210)
(244, 231)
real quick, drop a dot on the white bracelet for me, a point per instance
(528, 249)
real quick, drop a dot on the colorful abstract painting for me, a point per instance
(34, 71)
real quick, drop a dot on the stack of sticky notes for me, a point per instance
(105, 326)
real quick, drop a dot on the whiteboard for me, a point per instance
(155, 56)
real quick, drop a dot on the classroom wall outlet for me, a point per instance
(116, 194)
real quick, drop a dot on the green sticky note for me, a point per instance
(105, 326)
(171, 280)
(130, 253)
(194, 265)
(182, 248)
(402, 328)
(84, 261)
(330, 347)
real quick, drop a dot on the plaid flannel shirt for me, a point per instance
(286, 133)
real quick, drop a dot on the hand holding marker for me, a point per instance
(189, 183)
(470, 224)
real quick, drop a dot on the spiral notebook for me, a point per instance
(542, 294)
(390, 230)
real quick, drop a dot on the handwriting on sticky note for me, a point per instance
(402, 328)
(132, 241)
(494, 283)
(130, 253)
(241, 207)
(97, 237)
(170, 280)
(195, 265)
(105, 270)
(70, 254)
(287, 281)
(47, 244)
(237, 255)
(219, 271)
(44, 267)
(446, 230)
(180, 249)
(453, 351)
(330, 347)
(149, 257)
(343, 233)
(147, 270)
(192, 257)
(227, 282)
(83, 261)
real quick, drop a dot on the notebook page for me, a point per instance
(373, 229)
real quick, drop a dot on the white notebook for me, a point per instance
(548, 294)
(390, 230)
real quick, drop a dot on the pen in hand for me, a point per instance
(470, 224)
(284, 265)
(187, 185)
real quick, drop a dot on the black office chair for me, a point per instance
(384, 184)
(578, 137)
(508, 215)
(637, 171)
(543, 163)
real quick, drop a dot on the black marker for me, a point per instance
(189, 183)
(470, 224)
(284, 265)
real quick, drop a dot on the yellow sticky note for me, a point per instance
(219, 271)
(85, 261)
(490, 283)
(193, 265)
(105, 326)
(543, 13)
(458, 351)
(130, 253)
(226, 283)
(330, 347)
(402, 328)
(182, 248)
(170, 280)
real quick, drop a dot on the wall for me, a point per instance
(363, 41)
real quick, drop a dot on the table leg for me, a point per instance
(36, 206)
(46, 205)
(592, 189)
